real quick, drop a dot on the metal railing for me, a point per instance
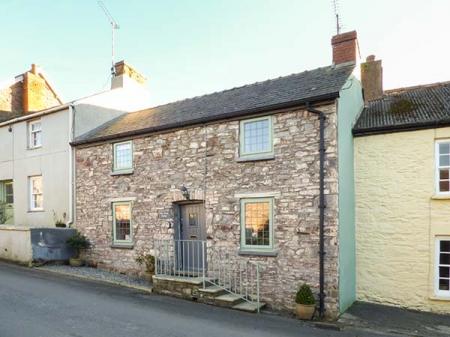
(182, 258)
(238, 277)
(192, 258)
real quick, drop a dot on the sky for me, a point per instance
(188, 48)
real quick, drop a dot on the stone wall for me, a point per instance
(164, 162)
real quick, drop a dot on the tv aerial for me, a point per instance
(114, 27)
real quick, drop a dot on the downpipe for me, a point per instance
(322, 206)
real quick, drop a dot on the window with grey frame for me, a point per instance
(443, 167)
(122, 228)
(257, 224)
(256, 139)
(123, 156)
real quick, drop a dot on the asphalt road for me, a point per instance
(35, 303)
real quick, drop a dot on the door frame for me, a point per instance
(178, 226)
(177, 215)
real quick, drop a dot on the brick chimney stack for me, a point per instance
(345, 47)
(34, 91)
(125, 76)
(372, 78)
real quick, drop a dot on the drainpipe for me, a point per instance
(322, 206)
(71, 166)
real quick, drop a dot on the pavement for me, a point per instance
(388, 319)
(96, 274)
(39, 303)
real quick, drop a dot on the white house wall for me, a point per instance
(51, 161)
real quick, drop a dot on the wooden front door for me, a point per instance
(192, 235)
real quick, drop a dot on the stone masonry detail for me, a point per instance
(203, 158)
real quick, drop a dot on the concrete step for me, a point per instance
(228, 300)
(248, 307)
(212, 290)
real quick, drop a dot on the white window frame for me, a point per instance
(122, 170)
(256, 155)
(122, 242)
(438, 292)
(31, 194)
(257, 248)
(437, 167)
(31, 132)
(5, 184)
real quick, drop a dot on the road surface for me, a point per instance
(35, 303)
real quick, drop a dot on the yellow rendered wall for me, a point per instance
(398, 219)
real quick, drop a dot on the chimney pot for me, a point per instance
(344, 47)
(34, 68)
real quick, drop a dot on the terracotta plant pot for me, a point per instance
(75, 262)
(305, 311)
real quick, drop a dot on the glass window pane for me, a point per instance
(123, 156)
(257, 223)
(444, 272)
(35, 126)
(444, 186)
(443, 174)
(122, 221)
(444, 160)
(444, 284)
(444, 259)
(9, 196)
(257, 136)
(193, 219)
(444, 148)
(38, 201)
(445, 246)
(37, 185)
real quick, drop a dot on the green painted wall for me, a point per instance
(350, 104)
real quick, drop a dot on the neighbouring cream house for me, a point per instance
(36, 128)
(402, 165)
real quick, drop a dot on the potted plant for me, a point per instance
(78, 242)
(149, 262)
(305, 300)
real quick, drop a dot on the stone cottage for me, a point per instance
(231, 178)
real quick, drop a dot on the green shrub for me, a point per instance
(147, 260)
(304, 295)
(78, 242)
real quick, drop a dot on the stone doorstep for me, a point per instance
(212, 290)
(248, 307)
(192, 289)
(189, 280)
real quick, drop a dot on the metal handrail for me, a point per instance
(192, 258)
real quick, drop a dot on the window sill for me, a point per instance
(440, 298)
(258, 252)
(122, 245)
(440, 197)
(124, 172)
(256, 158)
(35, 210)
(34, 147)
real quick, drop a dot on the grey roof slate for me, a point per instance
(7, 115)
(426, 106)
(312, 86)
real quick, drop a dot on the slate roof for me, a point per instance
(310, 86)
(7, 115)
(420, 107)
